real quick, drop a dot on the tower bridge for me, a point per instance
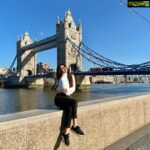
(70, 51)
(66, 54)
(26, 50)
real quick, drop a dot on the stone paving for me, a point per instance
(138, 140)
(142, 144)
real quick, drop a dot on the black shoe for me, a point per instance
(65, 138)
(77, 131)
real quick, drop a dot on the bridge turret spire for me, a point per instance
(67, 14)
(79, 28)
(58, 20)
(79, 21)
(18, 38)
(26, 33)
(69, 22)
(26, 39)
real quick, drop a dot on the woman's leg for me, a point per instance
(69, 106)
(67, 117)
(75, 128)
(74, 105)
(75, 122)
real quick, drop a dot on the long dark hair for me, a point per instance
(59, 74)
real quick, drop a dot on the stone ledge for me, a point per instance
(104, 123)
(52, 109)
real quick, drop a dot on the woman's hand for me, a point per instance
(65, 91)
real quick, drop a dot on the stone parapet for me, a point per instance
(103, 123)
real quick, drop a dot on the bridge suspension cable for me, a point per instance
(83, 53)
(117, 63)
(96, 58)
(102, 57)
(9, 69)
(135, 12)
(104, 62)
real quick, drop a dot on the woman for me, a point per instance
(66, 86)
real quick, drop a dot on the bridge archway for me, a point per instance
(29, 72)
(73, 67)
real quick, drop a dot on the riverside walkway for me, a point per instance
(139, 140)
(142, 144)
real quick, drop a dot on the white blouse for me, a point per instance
(63, 83)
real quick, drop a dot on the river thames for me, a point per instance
(16, 100)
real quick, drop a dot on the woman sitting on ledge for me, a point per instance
(66, 86)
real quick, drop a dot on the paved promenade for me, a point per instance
(139, 140)
(142, 144)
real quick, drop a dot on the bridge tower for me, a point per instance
(26, 61)
(66, 54)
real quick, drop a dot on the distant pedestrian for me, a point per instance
(66, 86)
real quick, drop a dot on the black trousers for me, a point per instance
(69, 106)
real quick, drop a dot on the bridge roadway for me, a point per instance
(123, 72)
(115, 72)
(46, 75)
(53, 74)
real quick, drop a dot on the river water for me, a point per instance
(16, 100)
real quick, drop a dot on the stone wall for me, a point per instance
(103, 123)
(112, 79)
(102, 79)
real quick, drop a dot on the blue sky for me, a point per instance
(108, 27)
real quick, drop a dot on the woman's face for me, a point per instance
(63, 69)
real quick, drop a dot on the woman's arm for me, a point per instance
(62, 87)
